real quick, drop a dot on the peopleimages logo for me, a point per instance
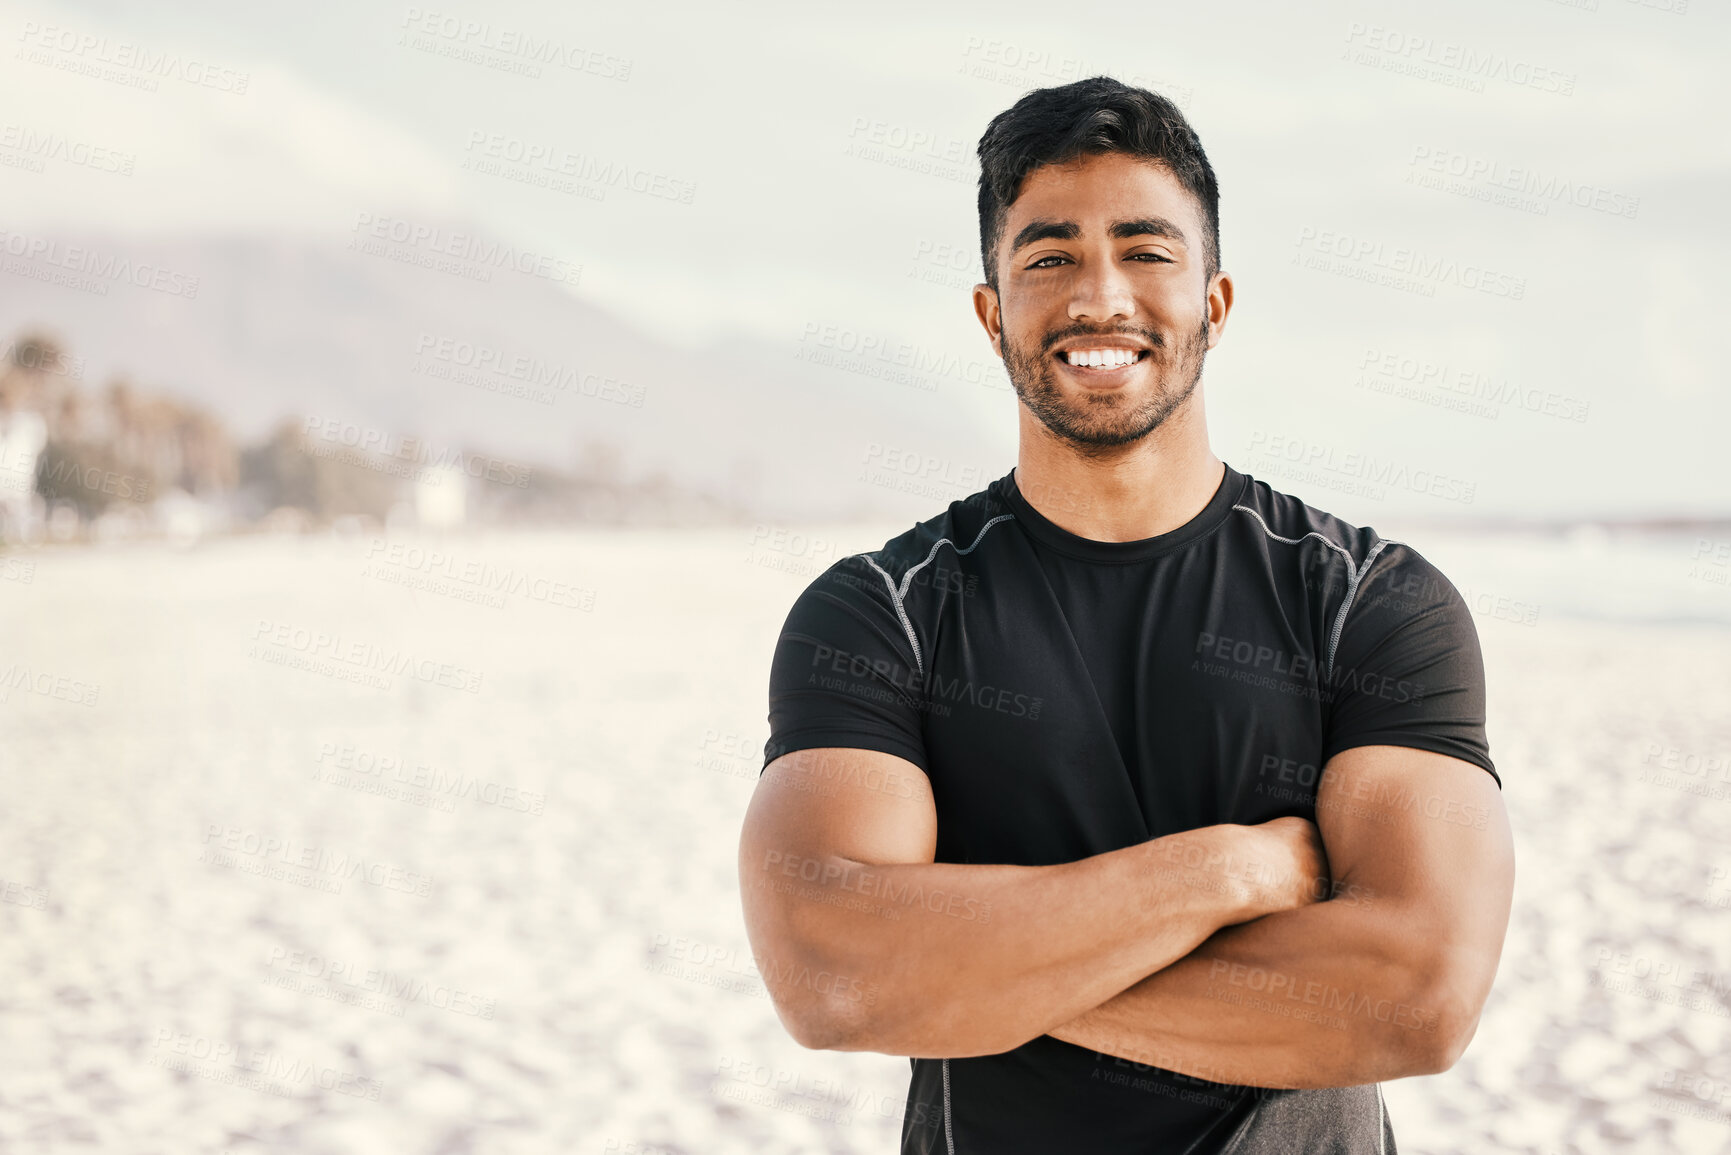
(532, 371)
(918, 365)
(471, 39)
(1402, 263)
(469, 255)
(829, 874)
(16, 677)
(1462, 389)
(555, 160)
(322, 867)
(1493, 175)
(318, 649)
(347, 973)
(44, 146)
(1459, 65)
(362, 441)
(468, 579)
(1305, 460)
(103, 268)
(259, 1069)
(41, 358)
(863, 676)
(105, 59)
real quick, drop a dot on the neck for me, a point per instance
(1126, 493)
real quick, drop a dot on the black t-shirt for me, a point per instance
(1068, 697)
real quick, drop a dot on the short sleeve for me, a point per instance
(844, 672)
(1407, 669)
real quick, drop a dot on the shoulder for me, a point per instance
(912, 575)
(1287, 520)
(961, 530)
(1359, 552)
(1369, 583)
(905, 563)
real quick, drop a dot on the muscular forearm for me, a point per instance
(1329, 995)
(951, 960)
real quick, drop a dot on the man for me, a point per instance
(1144, 808)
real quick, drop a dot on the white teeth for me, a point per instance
(1102, 358)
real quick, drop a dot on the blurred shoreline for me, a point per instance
(86, 465)
(121, 463)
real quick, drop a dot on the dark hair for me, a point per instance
(1087, 118)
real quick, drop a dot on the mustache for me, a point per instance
(1152, 337)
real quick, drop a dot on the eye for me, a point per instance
(1041, 263)
(1151, 256)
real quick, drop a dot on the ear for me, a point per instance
(1219, 304)
(990, 315)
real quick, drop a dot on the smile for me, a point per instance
(1101, 360)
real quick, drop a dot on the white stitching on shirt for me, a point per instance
(909, 576)
(1354, 575)
(907, 626)
(1351, 592)
(949, 1135)
(896, 595)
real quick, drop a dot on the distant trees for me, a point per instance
(284, 471)
(90, 476)
(71, 450)
(116, 446)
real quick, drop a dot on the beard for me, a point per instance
(1097, 421)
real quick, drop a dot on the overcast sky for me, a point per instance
(810, 165)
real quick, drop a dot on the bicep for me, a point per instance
(862, 805)
(1425, 838)
(819, 811)
(843, 785)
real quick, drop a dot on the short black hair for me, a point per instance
(1087, 118)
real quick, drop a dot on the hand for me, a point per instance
(1290, 865)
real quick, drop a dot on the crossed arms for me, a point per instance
(1278, 955)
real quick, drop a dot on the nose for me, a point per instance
(1101, 292)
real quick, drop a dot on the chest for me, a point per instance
(1093, 709)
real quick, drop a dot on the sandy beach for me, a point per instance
(351, 844)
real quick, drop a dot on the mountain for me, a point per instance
(428, 338)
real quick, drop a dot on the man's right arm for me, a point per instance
(866, 944)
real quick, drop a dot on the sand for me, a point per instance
(267, 887)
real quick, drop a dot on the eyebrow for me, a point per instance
(1041, 230)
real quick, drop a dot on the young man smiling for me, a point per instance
(1163, 831)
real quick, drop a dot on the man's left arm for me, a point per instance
(1385, 979)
